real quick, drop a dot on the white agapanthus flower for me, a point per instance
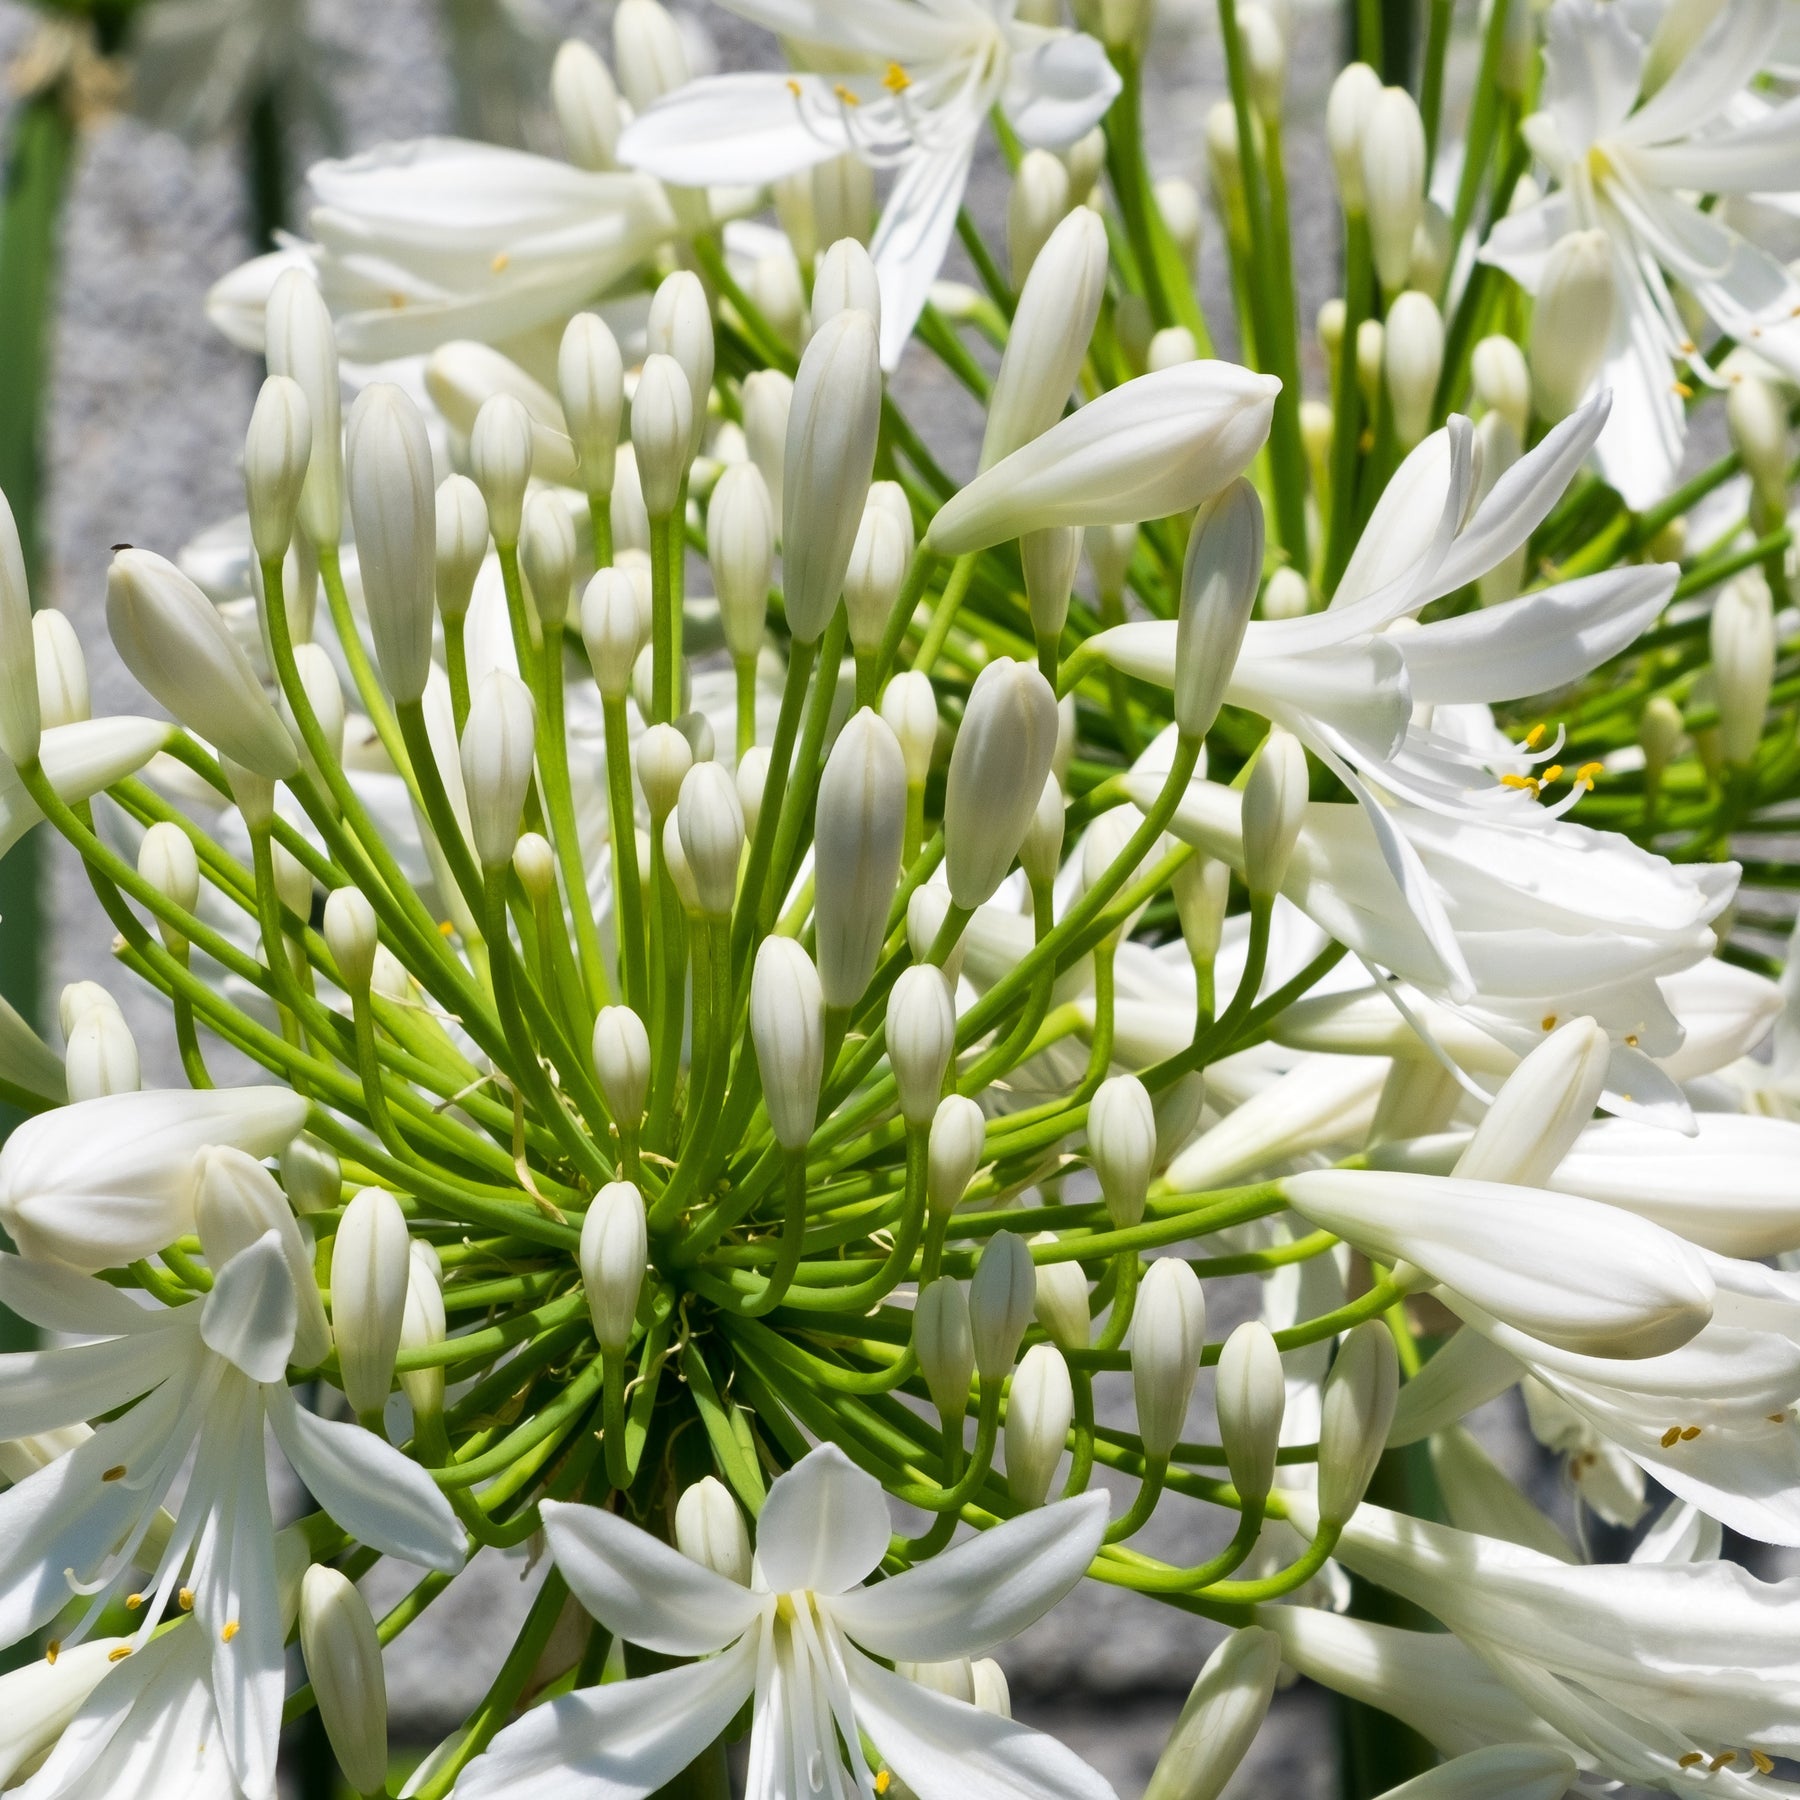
(803, 1639)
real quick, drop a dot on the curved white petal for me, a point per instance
(55, 1298)
(982, 1592)
(78, 761)
(380, 1497)
(42, 1389)
(733, 128)
(1520, 243)
(1710, 76)
(913, 236)
(824, 1526)
(251, 1314)
(1059, 90)
(1593, 62)
(618, 1742)
(641, 1589)
(1466, 1373)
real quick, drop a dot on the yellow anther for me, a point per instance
(1535, 736)
(447, 928)
(185, 1599)
(120, 1654)
(397, 301)
(1765, 1763)
(228, 1632)
(1671, 1437)
(795, 88)
(1682, 390)
(1548, 1021)
(1688, 346)
(896, 80)
(1779, 1418)
(115, 1473)
(53, 1650)
(1553, 773)
(133, 1602)
(1692, 1760)
(501, 263)
(1723, 1760)
(1689, 1433)
(884, 1781)
(1590, 772)
(1524, 784)
(846, 96)
(1631, 1039)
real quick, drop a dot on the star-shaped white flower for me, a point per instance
(802, 1641)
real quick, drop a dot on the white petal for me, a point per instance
(944, 1750)
(617, 1742)
(79, 760)
(913, 236)
(1059, 91)
(42, 1389)
(643, 1590)
(380, 1497)
(824, 1525)
(1521, 241)
(733, 128)
(251, 1314)
(1466, 1373)
(1593, 62)
(1711, 75)
(55, 1298)
(970, 1598)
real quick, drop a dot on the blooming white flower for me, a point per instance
(911, 88)
(802, 1640)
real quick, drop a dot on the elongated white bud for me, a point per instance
(500, 457)
(1040, 1408)
(393, 505)
(1541, 1110)
(547, 556)
(299, 342)
(170, 636)
(681, 876)
(779, 290)
(622, 1064)
(1502, 381)
(909, 709)
(1052, 328)
(586, 102)
(312, 1175)
(498, 745)
(1571, 323)
(1168, 1332)
(1353, 96)
(1051, 559)
(1495, 1772)
(1274, 810)
(1122, 1146)
(926, 910)
(1225, 159)
(370, 1264)
(590, 379)
(1171, 347)
(752, 778)
(944, 1342)
(878, 566)
(845, 281)
(787, 1026)
(662, 427)
(276, 449)
(1660, 729)
(62, 675)
(351, 936)
(461, 546)
(843, 198)
(997, 769)
(1356, 1411)
(1413, 350)
(829, 462)
(1178, 200)
(768, 399)
(710, 1530)
(921, 1034)
(711, 824)
(612, 630)
(534, 862)
(648, 53)
(1040, 855)
(614, 1256)
(1370, 350)
(1265, 58)
(1224, 1711)
(168, 861)
(1036, 206)
(1218, 593)
(958, 1144)
(343, 1663)
(102, 1055)
(740, 545)
(1757, 416)
(423, 1327)
(1062, 1299)
(1743, 649)
(1393, 172)
(1252, 1396)
(858, 839)
(1001, 1297)
(664, 757)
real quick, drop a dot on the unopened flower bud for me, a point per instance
(740, 545)
(1051, 330)
(909, 708)
(1355, 1413)
(312, 1175)
(1062, 1299)
(1040, 1408)
(858, 840)
(612, 631)
(1251, 1395)
(1051, 559)
(102, 1055)
(276, 449)
(547, 556)
(1170, 348)
(1501, 381)
(351, 936)
(622, 1064)
(662, 426)
(1393, 172)
(1218, 593)
(664, 757)
(1430, 249)
(293, 882)
(1571, 324)
(779, 291)
(1040, 855)
(1660, 730)
(957, 1145)
(1265, 58)
(675, 862)
(62, 676)
(1122, 1146)
(710, 1530)
(614, 1257)
(768, 401)
(1225, 159)
(921, 1036)
(1040, 198)
(423, 1327)
(829, 462)
(1001, 1297)
(76, 999)
(752, 778)
(370, 1262)
(500, 456)
(845, 280)
(590, 378)
(1224, 1711)
(877, 572)
(343, 1663)
(648, 53)
(534, 862)
(843, 198)
(711, 823)
(787, 1026)
(997, 769)
(1178, 201)
(1413, 351)
(1757, 415)
(1329, 326)
(393, 505)
(1274, 811)
(498, 745)
(1168, 1332)
(1286, 596)
(1202, 888)
(1743, 651)
(171, 637)
(168, 862)
(1370, 351)
(1178, 1109)
(299, 342)
(461, 546)
(586, 102)
(944, 1343)
(1353, 97)
(1541, 1109)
